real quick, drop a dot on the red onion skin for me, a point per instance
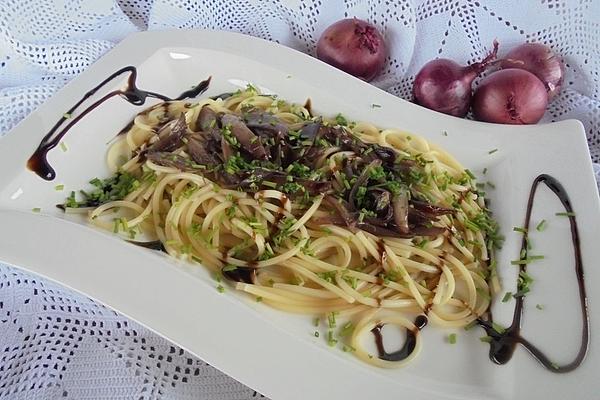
(445, 86)
(510, 96)
(540, 61)
(354, 46)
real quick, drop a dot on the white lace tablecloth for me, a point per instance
(55, 343)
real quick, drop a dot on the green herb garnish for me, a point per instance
(541, 226)
(565, 214)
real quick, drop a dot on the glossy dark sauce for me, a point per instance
(409, 343)
(284, 200)
(38, 162)
(241, 274)
(502, 345)
(222, 96)
(381, 250)
(152, 245)
(308, 106)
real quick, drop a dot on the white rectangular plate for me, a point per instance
(273, 352)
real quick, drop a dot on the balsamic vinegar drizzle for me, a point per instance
(156, 245)
(502, 345)
(38, 162)
(241, 274)
(409, 343)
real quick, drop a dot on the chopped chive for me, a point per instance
(486, 339)
(471, 225)
(346, 184)
(470, 325)
(269, 184)
(468, 172)
(331, 341)
(492, 151)
(445, 133)
(374, 105)
(326, 230)
(521, 293)
(490, 184)
(331, 319)
(498, 328)
(259, 299)
(63, 147)
(67, 115)
(507, 297)
(483, 293)
(539, 306)
(348, 348)
(452, 338)
(346, 329)
(565, 214)
(36, 210)
(484, 171)
(316, 334)
(527, 260)
(59, 187)
(518, 229)
(316, 321)
(422, 243)
(220, 289)
(541, 226)
(554, 365)
(523, 253)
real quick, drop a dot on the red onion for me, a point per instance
(510, 96)
(540, 61)
(445, 86)
(354, 46)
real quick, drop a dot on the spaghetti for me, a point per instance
(306, 214)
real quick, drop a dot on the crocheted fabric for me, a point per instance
(55, 343)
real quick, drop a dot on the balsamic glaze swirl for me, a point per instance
(502, 345)
(38, 161)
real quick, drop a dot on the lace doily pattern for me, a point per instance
(58, 344)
